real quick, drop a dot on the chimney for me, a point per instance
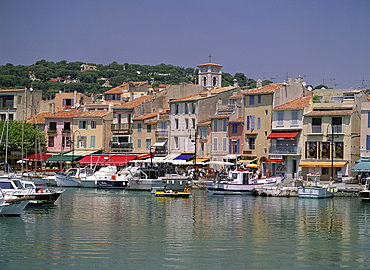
(236, 83)
(259, 83)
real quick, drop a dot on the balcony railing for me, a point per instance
(315, 129)
(122, 146)
(290, 149)
(336, 129)
(121, 128)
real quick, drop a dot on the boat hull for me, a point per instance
(14, 208)
(314, 192)
(112, 184)
(232, 189)
(67, 181)
(365, 195)
(157, 184)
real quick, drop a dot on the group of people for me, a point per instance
(186, 190)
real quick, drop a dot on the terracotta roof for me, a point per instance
(368, 97)
(92, 114)
(134, 103)
(237, 96)
(338, 112)
(208, 123)
(40, 118)
(64, 114)
(165, 111)
(239, 120)
(146, 116)
(204, 94)
(270, 88)
(298, 103)
(210, 64)
(125, 86)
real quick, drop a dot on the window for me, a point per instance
(266, 112)
(294, 118)
(52, 126)
(215, 144)
(149, 128)
(186, 123)
(138, 143)
(67, 126)
(252, 121)
(193, 108)
(92, 141)
(224, 125)
(248, 122)
(93, 124)
(280, 118)
(367, 142)
(176, 123)
(148, 143)
(338, 150)
(234, 129)
(176, 142)
(259, 99)
(325, 150)
(324, 170)
(251, 100)
(203, 133)
(368, 119)
(258, 123)
(51, 141)
(224, 144)
(67, 102)
(67, 142)
(311, 149)
(252, 143)
(186, 108)
(81, 141)
(138, 127)
(176, 108)
(193, 120)
(82, 124)
(214, 125)
(208, 149)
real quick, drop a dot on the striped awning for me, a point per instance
(309, 163)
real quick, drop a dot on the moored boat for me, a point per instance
(176, 194)
(72, 177)
(365, 193)
(11, 205)
(240, 182)
(313, 189)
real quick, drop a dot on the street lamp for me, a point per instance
(73, 145)
(195, 153)
(333, 128)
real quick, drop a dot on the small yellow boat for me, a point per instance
(173, 194)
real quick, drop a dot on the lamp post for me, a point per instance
(73, 146)
(195, 176)
(332, 128)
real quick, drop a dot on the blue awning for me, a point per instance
(362, 166)
(184, 157)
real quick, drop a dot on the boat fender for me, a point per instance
(39, 189)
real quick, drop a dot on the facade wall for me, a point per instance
(58, 140)
(365, 130)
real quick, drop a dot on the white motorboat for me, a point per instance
(108, 177)
(313, 189)
(365, 193)
(72, 177)
(241, 182)
(20, 188)
(11, 205)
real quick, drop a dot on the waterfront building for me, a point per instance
(332, 133)
(143, 132)
(258, 104)
(204, 140)
(286, 137)
(65, 101)
(22, 103)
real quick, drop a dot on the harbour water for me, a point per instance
(110, 229)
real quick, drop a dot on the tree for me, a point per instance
(241, 79)
(320, 86)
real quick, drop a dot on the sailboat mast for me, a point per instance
(6, 145)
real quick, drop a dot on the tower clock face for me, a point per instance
(204, 69)
(214, 69)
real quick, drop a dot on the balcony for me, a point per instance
(121, 128)
(285, 150)
(122, 147)
(316, 129)
(161, 134)
(52, 131)
(336, 129)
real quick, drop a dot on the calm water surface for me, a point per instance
(102, 229)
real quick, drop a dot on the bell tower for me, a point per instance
(210, 75)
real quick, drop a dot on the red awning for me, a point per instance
(106, 160)
(39, 157)
(274, 160)
(143, 156)
(283, 135)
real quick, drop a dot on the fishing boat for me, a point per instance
(240, 182)
(11, 205)
(20, 188)
(313, 189)
(156, 178)
(72, 177)
(365, 193)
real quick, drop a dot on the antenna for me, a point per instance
(363, 82)
(210, 58)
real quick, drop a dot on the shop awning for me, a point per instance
(143, 156)
(322, 163)
(106, 160)
(69, 156)
(160, 144)
(39, 157)
(202, 159)
(362, 166)
(274, 160)
(230, 156)
(184, 157)
(283, 135)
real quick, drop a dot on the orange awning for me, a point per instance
(283, 135)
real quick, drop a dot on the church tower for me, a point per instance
(210, 75)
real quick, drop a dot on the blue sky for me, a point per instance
(322, 40)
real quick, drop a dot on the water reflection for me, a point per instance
(113, 229)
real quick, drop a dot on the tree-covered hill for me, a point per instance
(51, 77)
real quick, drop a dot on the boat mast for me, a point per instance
(6, 145)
